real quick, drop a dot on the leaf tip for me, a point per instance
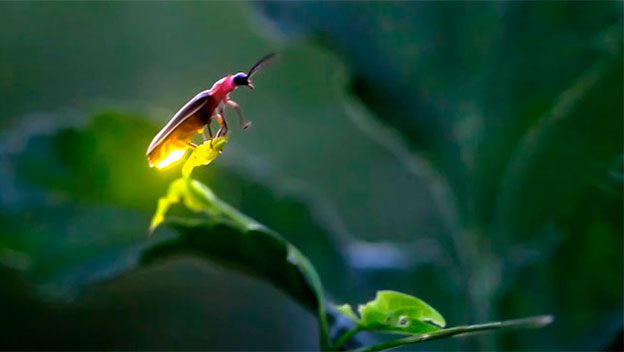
(543, 320)
(347, 311)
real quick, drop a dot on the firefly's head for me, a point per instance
(242, 79)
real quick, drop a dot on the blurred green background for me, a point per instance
(468, 153)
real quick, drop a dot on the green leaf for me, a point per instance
(221, 234)
(395, 312)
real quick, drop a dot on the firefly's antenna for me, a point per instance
(261, 63)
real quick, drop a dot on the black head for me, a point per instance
(244, 79)
(241, 79)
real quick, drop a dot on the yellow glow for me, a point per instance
(173, 156)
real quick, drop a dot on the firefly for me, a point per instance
(171, 143)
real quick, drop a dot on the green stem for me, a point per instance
(346, 337)
(325, 341)
(532, 322)
(211, 201)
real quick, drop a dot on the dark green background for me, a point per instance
(469, 154)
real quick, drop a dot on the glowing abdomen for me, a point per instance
(172, 147)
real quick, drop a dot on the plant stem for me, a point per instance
(532, 322)
(346, 337)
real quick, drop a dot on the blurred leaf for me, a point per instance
(559, 178)
(518, 108)
(101, 162)
(225, 236)
(460, 80)
(65, 246)
(548, 174)
(73, 214)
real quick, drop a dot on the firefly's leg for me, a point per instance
(209, 132)
(209, 137)
(241, 119)
(221, 121)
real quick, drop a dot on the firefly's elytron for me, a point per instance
(174, 139)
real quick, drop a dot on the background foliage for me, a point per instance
(467, 153)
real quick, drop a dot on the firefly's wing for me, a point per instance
(184, 113)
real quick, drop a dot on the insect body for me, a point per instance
(170, 144)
